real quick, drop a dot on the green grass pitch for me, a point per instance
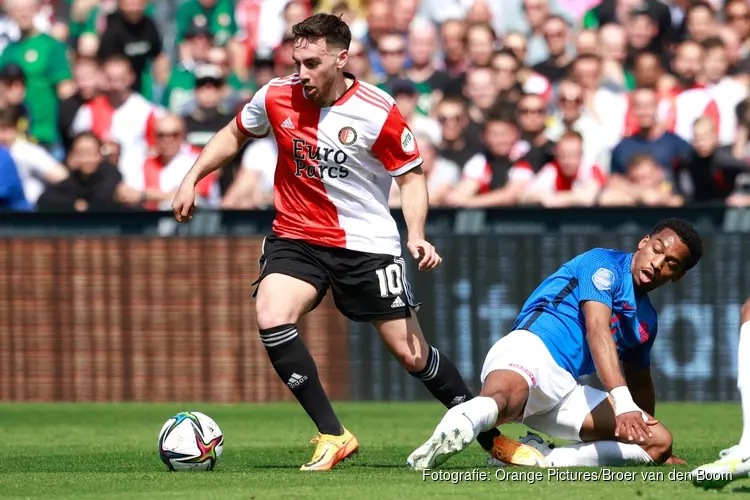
(108, 451)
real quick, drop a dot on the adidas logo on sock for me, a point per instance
(457, 401)
(397, 303)
(287, 123)
(295, 380)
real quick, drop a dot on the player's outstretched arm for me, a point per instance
(630, 419)
(218, 152)
(415, 205)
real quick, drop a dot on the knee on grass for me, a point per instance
(659, 445)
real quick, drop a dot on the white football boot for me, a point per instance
(734, 464)
(446, 441)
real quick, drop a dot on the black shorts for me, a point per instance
(366, 286)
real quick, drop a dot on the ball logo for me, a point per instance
(347, 136)
(408, 144)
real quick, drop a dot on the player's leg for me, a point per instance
(587, 415)
(404, 339)
(734, 462)
(509, 385)
(290, 285)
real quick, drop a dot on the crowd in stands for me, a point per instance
(105, 104)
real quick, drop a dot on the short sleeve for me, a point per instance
(521, 171)
(598, 277)
(476, 168)
(396, 147)
(252, 120)
(640, 356)
(59, 69)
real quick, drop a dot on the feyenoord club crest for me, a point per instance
(347, 136)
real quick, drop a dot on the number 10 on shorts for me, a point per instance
(391, 280)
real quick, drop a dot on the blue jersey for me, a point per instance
(553, 312)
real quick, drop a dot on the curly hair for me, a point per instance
(687, 234)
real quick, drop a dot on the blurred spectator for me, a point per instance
(119, 114)
(480, 43)
(531, 26)
(567, 180)
(506, 66)
(209, 116)
(192, 52)
(405, 94)
(642, 32)
(159, 175)
(439, 12)
(737, 16)
(687, 65)
(570, 115)
(644, 183)
(613, 48)
(253, 185)
(431, 82)
(92, 185)
(379, 22)
(9, 30)
(709, 173)
(458, 143)
(587, 42)
(726, 92)
(88, 80)
(481, 92)
(132, 34)
(392, 51)
(13, 94)
(665, 147)
(358, 63)
(36, 167)
(442, 175)
(535, 145)
(619, 11)
(557, 65)
(48, 78)
(88, 19)
(492, 178)
(11, 188)
(452, 38)
(530, 81)
(607, 107)
(216, 15)
(700, 21)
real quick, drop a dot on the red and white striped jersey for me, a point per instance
(550, 178)
(335, 165)
(687, 107)
(132, 125)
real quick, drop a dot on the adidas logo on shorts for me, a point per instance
(295, 380)
(397, 303)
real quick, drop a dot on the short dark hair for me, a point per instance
(332, 28)
(687, 234)
(115, 59)
(9, 117)
(501, 113)
(87, 134)
(505, 51)
(712, 42)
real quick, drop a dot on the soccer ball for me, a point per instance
(190, 441)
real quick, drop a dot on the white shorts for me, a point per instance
(557, 404)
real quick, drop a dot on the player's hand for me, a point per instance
(183, 204)
(425, 253)
(631, 426)
(673, 460)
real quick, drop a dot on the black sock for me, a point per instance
(442, 379)
(292, 361)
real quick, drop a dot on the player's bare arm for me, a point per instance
(218, 152)
(630, 422)
(415, 204)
